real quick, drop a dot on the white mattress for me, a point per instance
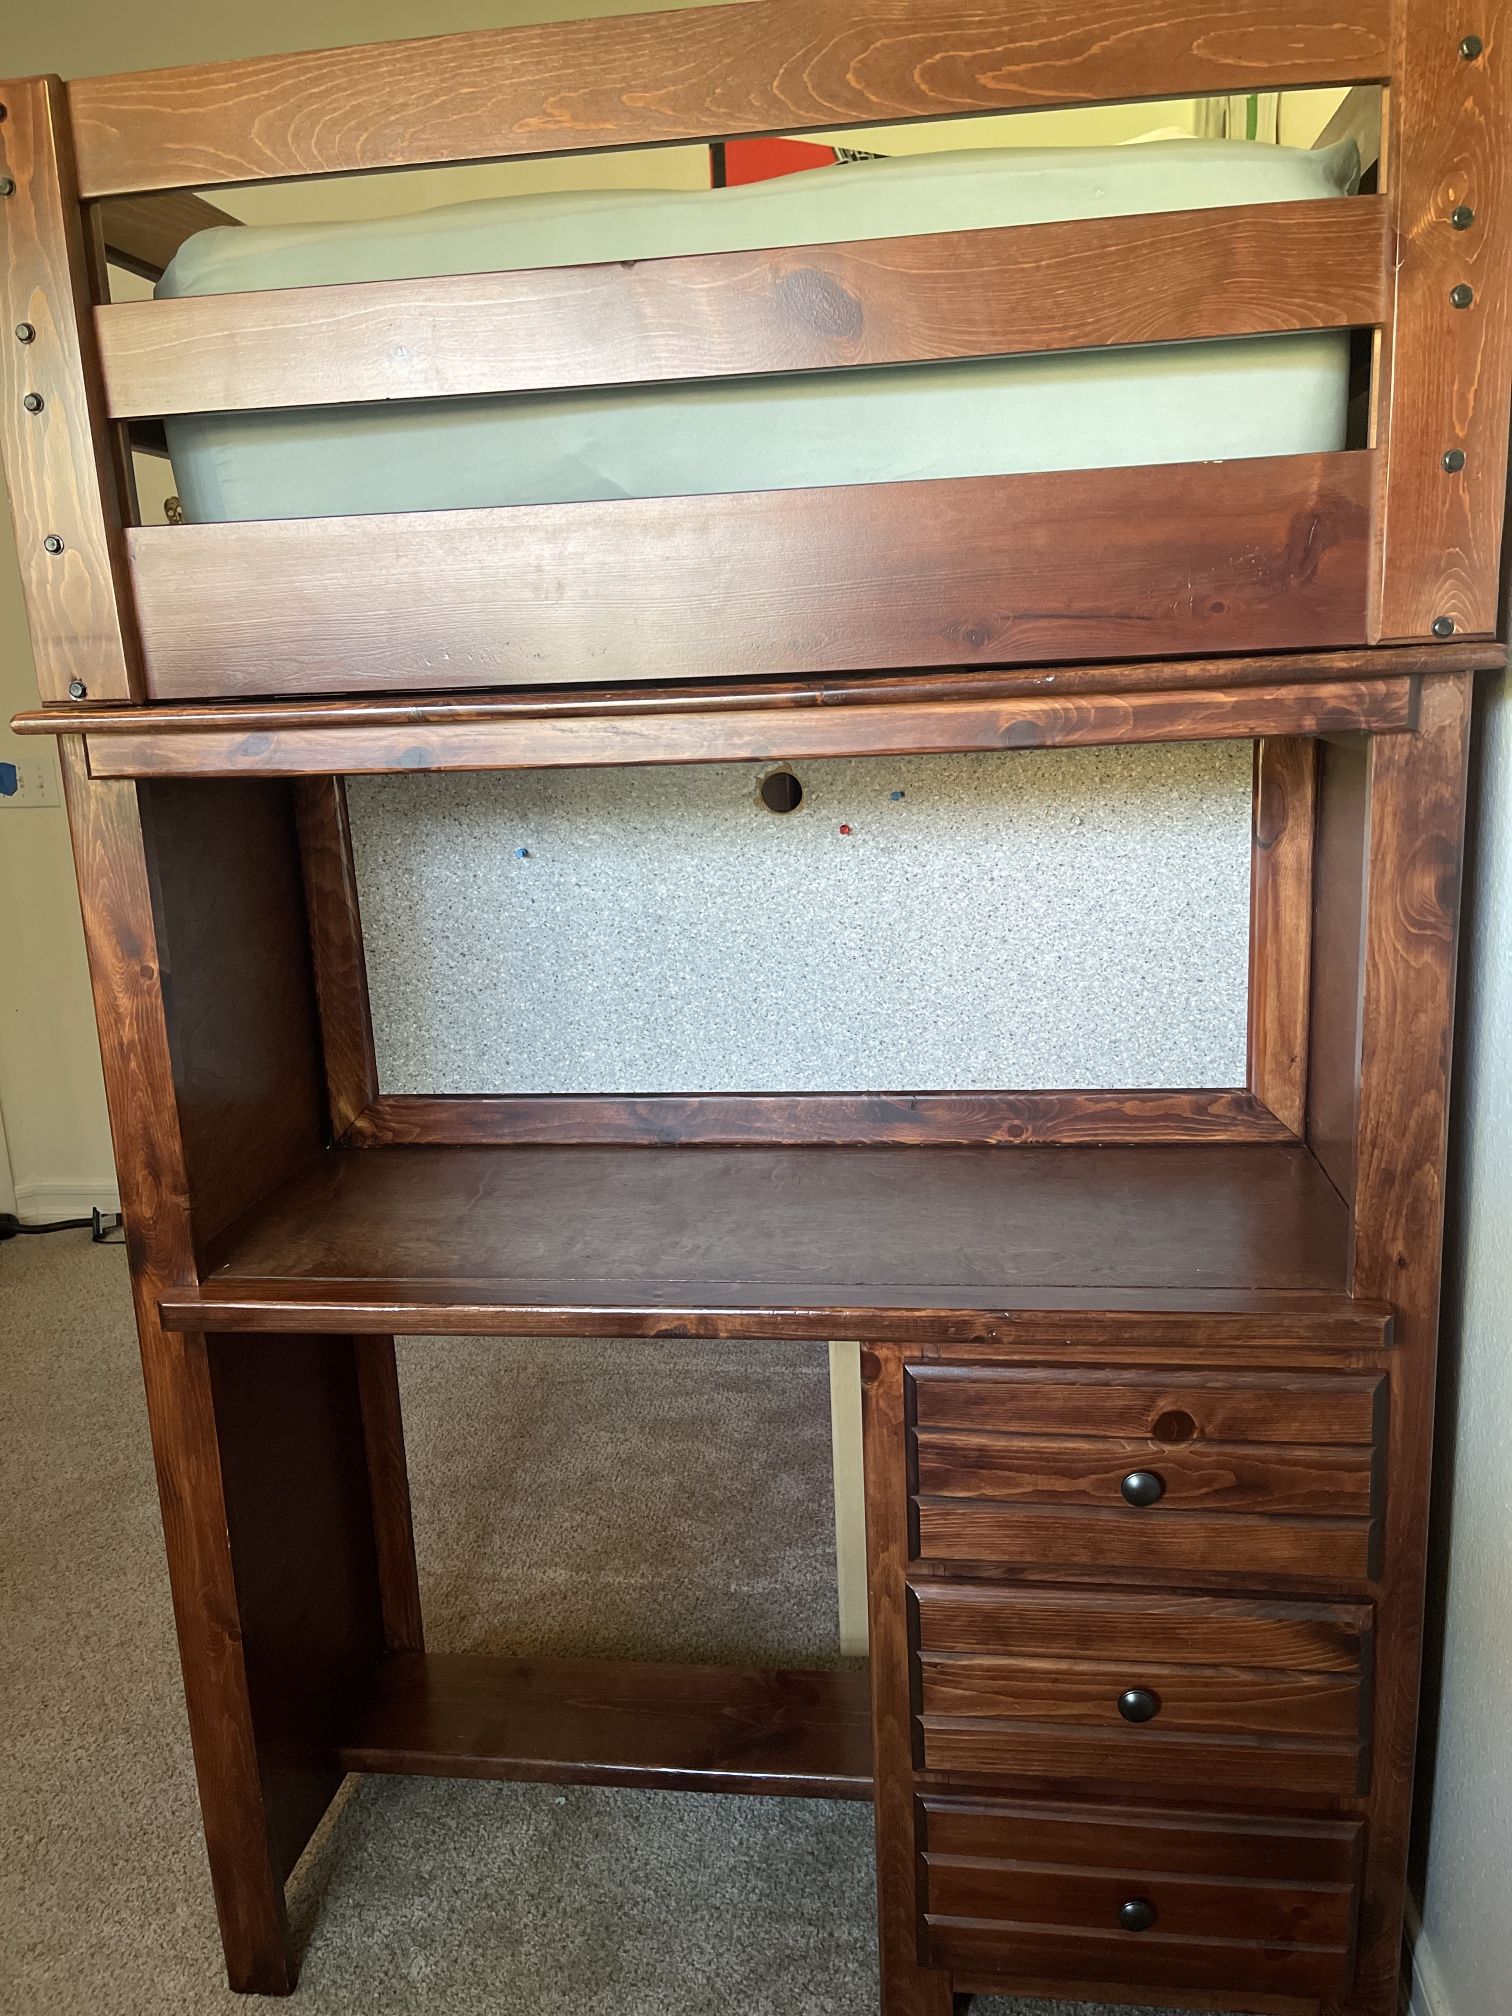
(1165, 403)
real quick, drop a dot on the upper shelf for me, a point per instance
(758, 1241)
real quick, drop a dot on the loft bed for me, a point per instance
(1148, 1374)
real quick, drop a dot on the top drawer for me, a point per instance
(1264, 1473)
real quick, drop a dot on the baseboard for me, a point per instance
(1423, 1991)
(65, 1197)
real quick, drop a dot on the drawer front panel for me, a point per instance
(1227, 1474)
(1103, 1893)
(1119, 1690)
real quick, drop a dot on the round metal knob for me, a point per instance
(1138, 1704)
(1142, 1487)
(1138, 1914)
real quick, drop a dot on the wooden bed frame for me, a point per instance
(1148, 1375)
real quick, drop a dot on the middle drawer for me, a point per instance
(1143, 1691)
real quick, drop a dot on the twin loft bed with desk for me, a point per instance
(899, 459)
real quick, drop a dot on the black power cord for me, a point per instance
(99, 1225)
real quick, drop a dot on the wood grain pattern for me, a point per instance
(777, 66)
(1081, 284)
(340, 967)
(1337, 939)
(59, 461)
(1415, 840)
(614, 1722)
(1182, 1407)
(907, 1988)
(765, 735)
(1446, 372)
(412, 710)
(1225, 556)
(1041, 1888)
(140, 234)
(388, 1483)
(1281, 925)
(798, 1119)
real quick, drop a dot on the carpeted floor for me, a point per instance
(535, 1533)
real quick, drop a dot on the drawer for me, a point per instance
(1126, 1692)
(1108, 1894)
(1258, 1474)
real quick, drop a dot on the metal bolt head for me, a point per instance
(1454, 460)
(7, 186)
(1462, 216)
(24, 332)
(33, 402)
(52, 543)
(1461, 296)
(1470, 47)
(1443, 626)
(77, 690)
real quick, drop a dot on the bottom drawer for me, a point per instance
(1179, 1900)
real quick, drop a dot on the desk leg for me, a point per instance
(907, 1988)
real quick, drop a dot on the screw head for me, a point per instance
(52, 543)
(1454, 460)
(1470, 47)
(24, 332)
(1443, 626)
(77, 689)
(1461, 296)
(1462, 216)
(7, 186)
(33, 402)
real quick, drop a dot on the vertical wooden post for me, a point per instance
(1414, 842)
(287, 1579)
(1281, 893)
(59, 455)
(907, 1988)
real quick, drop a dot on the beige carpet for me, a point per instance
(630, 1499)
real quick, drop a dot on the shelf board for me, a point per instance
(608, 1722)
(814, 1241)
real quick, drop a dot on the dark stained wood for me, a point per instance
(1415, 843)
(388, 1486)
(610, 1722)
(1338, 923)
(914, 1119)
(1183, 1409)
(778, 66)
(1281, 926)
(907, 1988)
(1298, 668)
(765, 735)
(140, 234)
(1144, 1325)
(1238, 1900)
(238, 992)
(335, 920)
(1262, 554)
(60, 462)
(811, 1227)
(1446, 371)
(1082, 284)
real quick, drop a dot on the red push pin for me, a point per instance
(845, 829)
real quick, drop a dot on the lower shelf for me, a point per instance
(610, 1722)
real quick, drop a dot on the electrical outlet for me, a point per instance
(29, 780)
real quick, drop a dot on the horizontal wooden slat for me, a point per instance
(835, 1118)
(435, 710)
(613, 1722)
(1382, 707)
(700, 74)
(1224, 556)
(1082, 284)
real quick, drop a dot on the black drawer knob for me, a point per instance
(1138, 1704)
(1137, 1915)
(1143, 1487)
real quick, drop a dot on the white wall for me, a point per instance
(1464, 1821)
